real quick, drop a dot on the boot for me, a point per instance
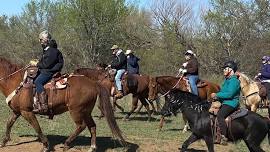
(44, 102)
(118, 94)
(223, 140)
(36, 104)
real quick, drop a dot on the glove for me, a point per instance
(182, 71)
(184, 64)
(34, 62)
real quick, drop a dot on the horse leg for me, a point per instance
(253, 147)
(80, 126)
(253, 107)
(161, 122)
(146, 105)
(158, 105)
(9, 125)
(185, 129)
(133, 108)
(32, 119)
(191, 139)
(209, 142)
(139, 109)
(117, 105)
(92, 128)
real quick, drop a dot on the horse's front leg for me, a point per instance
(209, 142)
(185, 129)
(191, 139)
(32, 120)
(12, 119)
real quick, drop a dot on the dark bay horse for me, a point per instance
(252, 128)
(78, 98)
(163, 84)
(135, 84)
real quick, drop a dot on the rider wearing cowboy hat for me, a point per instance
(132, 62)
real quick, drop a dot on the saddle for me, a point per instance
(57, 82)
(241, 112)
(200, 84)
(263, 93)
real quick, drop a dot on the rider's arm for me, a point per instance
(50, 57)
(230, 91)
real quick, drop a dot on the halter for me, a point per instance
(27, 66)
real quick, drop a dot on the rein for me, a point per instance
(27, 66)
(172, 87)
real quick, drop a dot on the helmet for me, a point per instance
(266, 58)
(45, 35)
(230, 64)
(189, 52)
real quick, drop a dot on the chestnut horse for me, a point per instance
(78, 98)
(135, 84)
(250, 90)
(163, 84)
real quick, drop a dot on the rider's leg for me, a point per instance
(118, 76)
(42, 96)
(222, 114)
(192, 80)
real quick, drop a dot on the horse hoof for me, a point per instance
(92, 149)
(66, 148)
(45, 149)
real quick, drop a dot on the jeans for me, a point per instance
(118, 77)
(41, 80)
(222, 114)
(192, 81)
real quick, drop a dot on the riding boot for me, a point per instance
(118, 94)
(36, 104)
(44, 102)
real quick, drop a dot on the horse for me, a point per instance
(196, 112)
(251, 92)
(163, 84)
(137, 85)
(79, 98)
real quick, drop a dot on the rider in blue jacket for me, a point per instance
(228, 96)
(264, 75)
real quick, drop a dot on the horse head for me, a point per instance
(153, 88)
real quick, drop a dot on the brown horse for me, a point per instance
(163, 84)
(78, 98)
(251, 92)
(134, 84)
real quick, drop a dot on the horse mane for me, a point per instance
(191, 101)
(9, 66)
(249, 80)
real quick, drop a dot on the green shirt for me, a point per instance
(230, 92)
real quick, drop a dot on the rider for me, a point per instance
(191, 70)
(228, 96)
(119, 63)
(264, 75)
(132, 62)
(50, 63)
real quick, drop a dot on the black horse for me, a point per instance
(252, 128)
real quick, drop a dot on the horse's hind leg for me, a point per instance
(191, 139)
(32, 119)
(133, 108)
(92, 128)
(146, 105)
(9, 125)
(117, 105)
(253, 147)
(77, 117)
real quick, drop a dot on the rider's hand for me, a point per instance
(184, 64)
(34, 62)
(213, 95)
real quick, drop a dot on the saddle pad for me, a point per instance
(239, 113)
(60, 84)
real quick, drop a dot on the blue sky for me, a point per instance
(15, 7)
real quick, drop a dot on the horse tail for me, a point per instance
(106, 108)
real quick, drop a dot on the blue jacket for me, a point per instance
(230, 92)
(132, 64)
(265, 72)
